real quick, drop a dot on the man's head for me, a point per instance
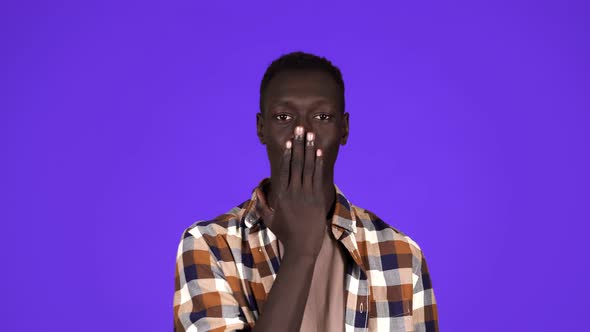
(301, 89)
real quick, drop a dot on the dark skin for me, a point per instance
(302, 114)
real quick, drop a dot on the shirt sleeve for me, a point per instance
(425, 314)
(203, 298)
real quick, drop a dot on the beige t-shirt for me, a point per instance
(325, 306)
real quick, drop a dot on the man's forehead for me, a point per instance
(297, 79)
(313, 85)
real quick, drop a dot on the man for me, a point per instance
(298, 255)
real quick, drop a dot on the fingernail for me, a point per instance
(299, 130)
(318, 153)
(288, 144)
(310, 136)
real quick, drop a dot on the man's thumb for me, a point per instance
(261, 204)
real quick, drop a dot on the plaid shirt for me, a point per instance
(226, 266)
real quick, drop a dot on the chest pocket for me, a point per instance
(391, 301)
(401, 309)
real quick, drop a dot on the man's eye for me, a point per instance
(282, 117)
(324, 116)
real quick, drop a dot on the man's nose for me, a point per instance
(305, 123)
(308, 127)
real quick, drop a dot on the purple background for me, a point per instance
(123, 123)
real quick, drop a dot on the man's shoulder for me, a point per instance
(221, 225)
(376, 230)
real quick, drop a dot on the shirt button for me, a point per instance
(259, 249)
(362, 308)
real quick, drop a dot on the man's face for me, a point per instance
(303, 98)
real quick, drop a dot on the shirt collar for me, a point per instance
(342, 216)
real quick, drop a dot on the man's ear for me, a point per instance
(260, 127)
(344, 137)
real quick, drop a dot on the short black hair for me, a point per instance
(300, 61)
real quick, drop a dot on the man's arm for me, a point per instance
(425, 312)
(302, 203)
(285, 305)
(203, 299)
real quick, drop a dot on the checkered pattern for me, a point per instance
(226, 266)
